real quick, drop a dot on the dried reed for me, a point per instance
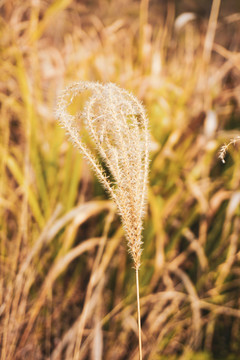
(118, 126)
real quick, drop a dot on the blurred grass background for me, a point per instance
(66, 280)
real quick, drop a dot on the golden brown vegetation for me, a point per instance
(66, 283)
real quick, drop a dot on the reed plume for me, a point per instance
(116, 123)
(224, 148)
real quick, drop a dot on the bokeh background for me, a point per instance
(67, 284)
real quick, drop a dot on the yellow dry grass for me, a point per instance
(66, 283)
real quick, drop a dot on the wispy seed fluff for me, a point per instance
(117, 124)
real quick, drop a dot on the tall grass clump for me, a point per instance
(117, 124)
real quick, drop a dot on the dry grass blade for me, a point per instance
(58, 268)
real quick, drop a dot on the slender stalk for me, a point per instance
(211, 30)
(139, 317)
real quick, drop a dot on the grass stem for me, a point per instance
(139, 317)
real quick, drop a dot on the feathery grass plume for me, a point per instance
(117, 125)
(224, 148)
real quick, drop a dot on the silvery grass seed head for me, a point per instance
(117, 125)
